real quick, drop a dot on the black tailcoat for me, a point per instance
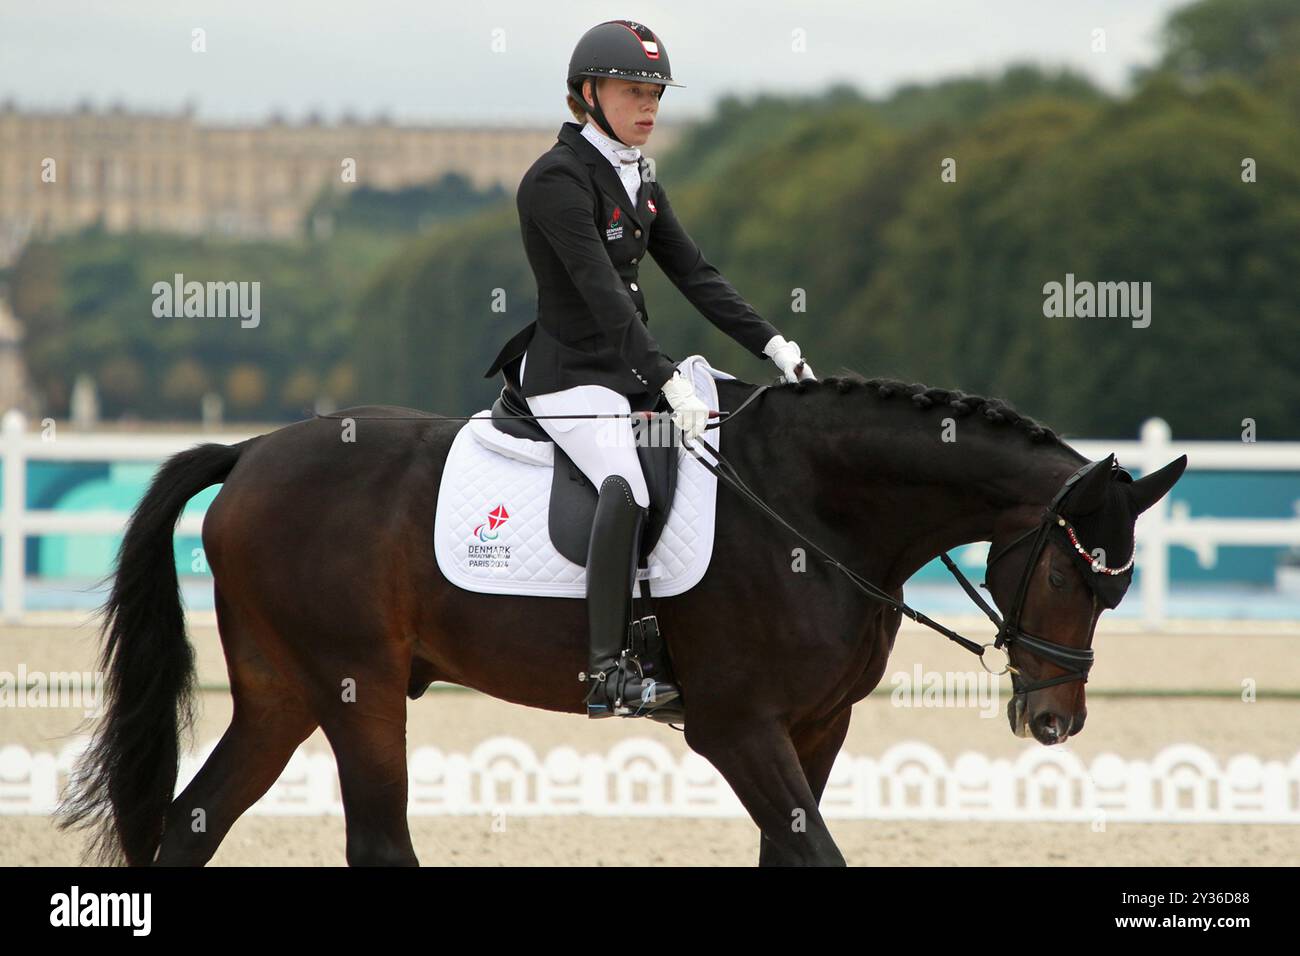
(585, 242)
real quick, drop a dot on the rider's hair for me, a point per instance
(577, 107)
(994, 410)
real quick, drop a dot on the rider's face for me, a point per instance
(630, 107)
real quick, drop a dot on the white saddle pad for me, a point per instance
(490, 531)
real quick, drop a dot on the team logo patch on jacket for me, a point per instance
(614, 228)
(650, 204)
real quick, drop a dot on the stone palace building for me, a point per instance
(172, 173)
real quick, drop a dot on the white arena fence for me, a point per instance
(1159, 528)
(640, 777)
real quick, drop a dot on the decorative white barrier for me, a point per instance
(17, 523)
(640, 777)
(1161, 526)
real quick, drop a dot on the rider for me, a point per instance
(589, 210)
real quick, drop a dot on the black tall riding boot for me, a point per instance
(617, 687)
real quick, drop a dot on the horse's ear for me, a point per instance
(1149, 489)
(1090, 493)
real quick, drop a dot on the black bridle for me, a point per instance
(1076, 662)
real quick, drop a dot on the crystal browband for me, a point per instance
(1095, 563)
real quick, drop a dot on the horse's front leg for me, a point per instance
(758, 759)
(817, 747)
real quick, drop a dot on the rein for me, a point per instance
(725, 472)
(1076, 661)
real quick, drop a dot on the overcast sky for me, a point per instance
(505, 61)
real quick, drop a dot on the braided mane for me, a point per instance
(993, 410)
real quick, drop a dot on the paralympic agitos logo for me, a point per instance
(614, 228)
(496, 518)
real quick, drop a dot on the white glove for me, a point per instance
(787, 357)
(689, 413)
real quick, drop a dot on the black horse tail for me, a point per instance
(124, 782)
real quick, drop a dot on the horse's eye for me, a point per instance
(1057, 579)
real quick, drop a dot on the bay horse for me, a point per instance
(332, 610)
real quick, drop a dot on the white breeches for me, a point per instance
(600, 447)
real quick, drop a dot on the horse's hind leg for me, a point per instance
(370, 747)
(353, 681)
(359, 689)
(270, 720)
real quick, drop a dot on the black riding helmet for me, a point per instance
(623, 49)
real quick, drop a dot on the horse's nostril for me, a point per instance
(1051, 726)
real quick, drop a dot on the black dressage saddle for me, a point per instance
(572, 504)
